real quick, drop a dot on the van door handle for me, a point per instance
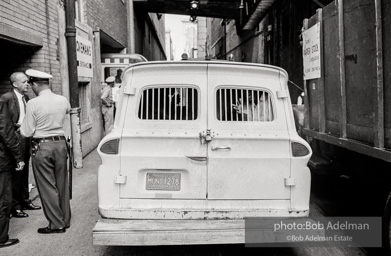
(198, 158)
(220, 148)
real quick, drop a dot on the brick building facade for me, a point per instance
(109, 17)
(29, 33)
(32, 35)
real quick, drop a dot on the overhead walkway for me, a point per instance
(247, 13)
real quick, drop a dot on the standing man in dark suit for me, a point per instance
(44, 122)
(16, 103)
(10, 161)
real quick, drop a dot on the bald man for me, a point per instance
(15, 101)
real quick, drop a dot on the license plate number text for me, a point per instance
(163, 181)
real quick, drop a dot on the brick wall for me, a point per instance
(109, 16)
(37, 17)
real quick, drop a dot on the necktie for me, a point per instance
(24, 104)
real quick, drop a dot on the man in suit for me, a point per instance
(16, 104)
(10, 162)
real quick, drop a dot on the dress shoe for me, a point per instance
(31, 206)
(19, 214)
(48, 230)
(9, 242)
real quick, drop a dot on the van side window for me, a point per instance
(169, 103)
(243, 105)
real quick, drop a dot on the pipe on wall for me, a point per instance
(70, 34)
(131, 30)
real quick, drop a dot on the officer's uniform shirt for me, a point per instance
(115, 92)
(45, 115)
(107, 96)
(21, 107)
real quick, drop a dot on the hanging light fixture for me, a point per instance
(194, 5)
(241, 7)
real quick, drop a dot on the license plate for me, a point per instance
(163, 181)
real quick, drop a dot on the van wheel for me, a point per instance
(387, 226)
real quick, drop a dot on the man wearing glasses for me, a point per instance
(16, 103)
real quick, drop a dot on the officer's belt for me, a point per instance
(46, 139)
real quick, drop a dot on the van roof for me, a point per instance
(203, 62)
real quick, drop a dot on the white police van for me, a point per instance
(197, 147)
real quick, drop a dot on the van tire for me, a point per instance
(387, 226)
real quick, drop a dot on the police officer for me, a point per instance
(108, 104)
(44, 122)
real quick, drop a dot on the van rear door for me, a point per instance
(161, 153)
(249, 154)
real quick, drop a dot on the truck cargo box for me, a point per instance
(350, 104)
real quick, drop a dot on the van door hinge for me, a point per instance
(282, 94)
(120, 179)
(290, 182)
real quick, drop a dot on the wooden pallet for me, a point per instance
(168, 232)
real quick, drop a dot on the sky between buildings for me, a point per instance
(176, 27)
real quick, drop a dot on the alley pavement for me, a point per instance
(84, 216)
(77, 240)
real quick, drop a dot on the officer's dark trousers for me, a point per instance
(5, 204)
(50, 170)
(20, 179)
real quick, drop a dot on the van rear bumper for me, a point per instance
(135, 232)
(167, 232)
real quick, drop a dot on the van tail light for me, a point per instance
(110, 147)
(299, 149)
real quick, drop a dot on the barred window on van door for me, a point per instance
(243, 105)
(169, 103)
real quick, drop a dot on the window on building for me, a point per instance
(84, 102)
(237, 104)
(169, 103)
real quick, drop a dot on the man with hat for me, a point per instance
(44, 122)
(108, 104)
(16, 103)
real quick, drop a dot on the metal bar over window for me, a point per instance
(175, 104)
(168, 103)
(243, 105)
(164, 103)
(192, 105)
(153, 103)
(147, 100)
(230, 103)
(158, 103)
